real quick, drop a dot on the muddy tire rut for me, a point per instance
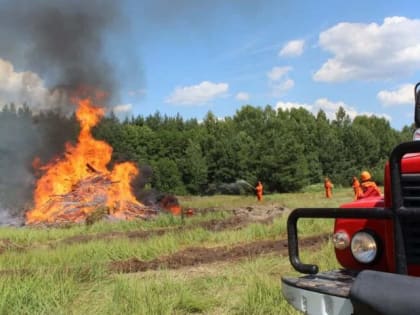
(193, 256)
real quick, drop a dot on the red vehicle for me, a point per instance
(377, 242)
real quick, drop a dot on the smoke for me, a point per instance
(48, 49)
(27, 87)
(16, 178)
(239, 187)
(9, 218)
(198, 13)
(63, 41)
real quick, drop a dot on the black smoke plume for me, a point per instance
(64, 43)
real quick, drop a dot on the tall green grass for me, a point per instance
(41, 274)
(312, 197)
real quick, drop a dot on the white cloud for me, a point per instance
(403, 95)
(290, 105)
(198, 94)
(279, 81)
(25, 87)
(292, 48)
(381, 115)
(279, 88)
(277, 73)
(122, 108)
(242, 96)
(329, 107)
(370, 51)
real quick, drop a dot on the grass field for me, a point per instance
(69, 270)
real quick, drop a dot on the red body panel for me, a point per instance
(382, 228)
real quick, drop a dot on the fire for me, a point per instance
(78, 183)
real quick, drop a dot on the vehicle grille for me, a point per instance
(410, 184)
(411, 190)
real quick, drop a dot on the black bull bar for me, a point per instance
(328, 213)
(395, 213)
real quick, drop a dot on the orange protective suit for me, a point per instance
(328, 185)
(369, 189)
(259, 191)
(356, 188)
(368, 186)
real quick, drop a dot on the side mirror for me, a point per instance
(417, 105)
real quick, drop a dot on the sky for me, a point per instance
(189, 57)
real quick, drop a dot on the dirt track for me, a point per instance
(232, 223)
(193, 256)
(240, 218)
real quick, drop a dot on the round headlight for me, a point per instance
(364, 247)
(416, 135)
(341, 240)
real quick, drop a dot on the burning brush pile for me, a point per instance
(79, 184)
(63, 42)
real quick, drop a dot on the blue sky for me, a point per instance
(195, 56)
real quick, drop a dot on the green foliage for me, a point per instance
(167, 176)
(194, 168)
(284, 149)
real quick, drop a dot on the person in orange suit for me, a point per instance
(328, 185)
(369, 188)
(356, 187)
(259, 191)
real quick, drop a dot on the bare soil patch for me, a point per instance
(242, 217)
(193, 256)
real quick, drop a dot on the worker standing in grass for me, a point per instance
(259, 191)
(356, 187)
(328, 185)
(369, 188)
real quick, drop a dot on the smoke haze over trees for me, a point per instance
(285, 149)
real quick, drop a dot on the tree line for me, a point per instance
(284, 149)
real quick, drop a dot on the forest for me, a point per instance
(284, 149)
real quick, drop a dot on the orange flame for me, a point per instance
(88, 156)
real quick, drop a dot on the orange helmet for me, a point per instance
(365, 176)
